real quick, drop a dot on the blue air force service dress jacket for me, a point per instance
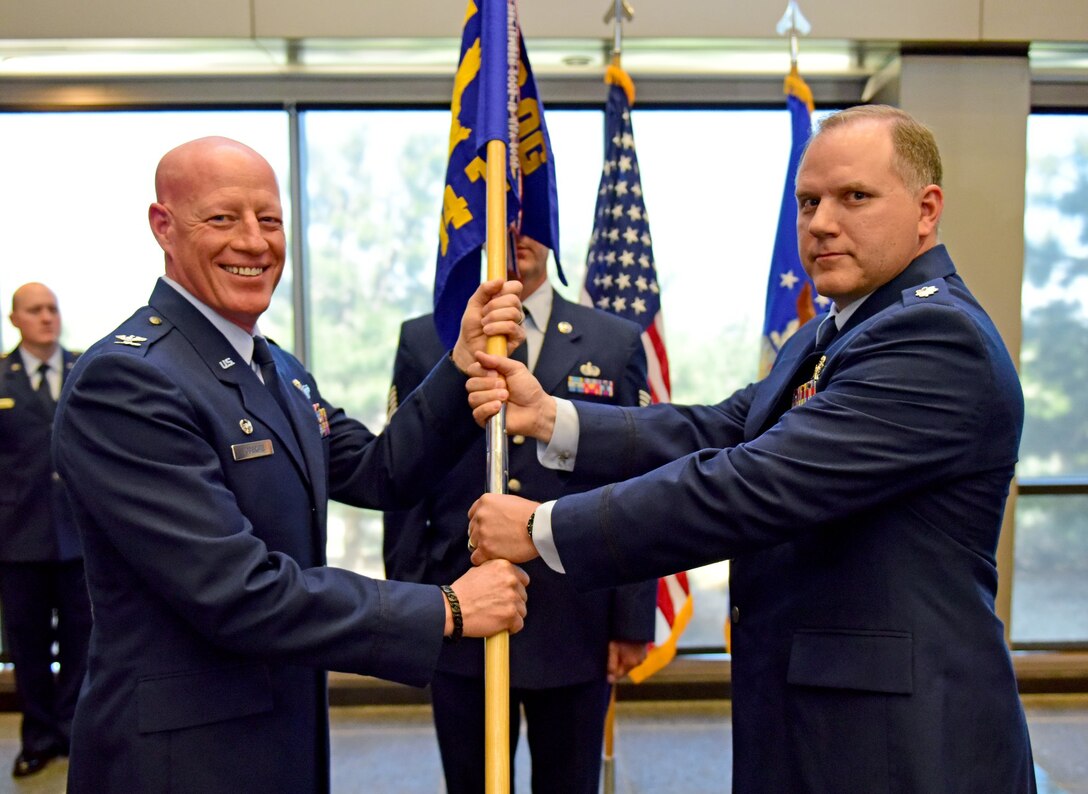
(36, 523)
(202, 509)
(863, 528)
(586, 355)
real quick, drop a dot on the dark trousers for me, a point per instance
(564, 725)
(29, 594)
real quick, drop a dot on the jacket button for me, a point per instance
(734, 613)
(514, 486)
(518, 439)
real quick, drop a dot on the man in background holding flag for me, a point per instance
(621, 278)
(561, 664)
(575, 644)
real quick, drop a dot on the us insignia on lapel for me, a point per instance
(594, 387)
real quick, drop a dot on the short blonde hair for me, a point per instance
(917, 159)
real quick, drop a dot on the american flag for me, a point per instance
(621, 278)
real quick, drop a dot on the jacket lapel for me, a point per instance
(18, 385)
(222, 361)
(784, 372)
(559, 353)
(304, 422)
(934, 263)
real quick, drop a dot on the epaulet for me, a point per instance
(140, 331)
(932, 291)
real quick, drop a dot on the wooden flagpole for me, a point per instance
(497, 647)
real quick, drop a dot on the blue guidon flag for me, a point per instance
(494, 98)
(791, 296)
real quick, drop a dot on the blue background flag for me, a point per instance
(494, 98)
(791, 296)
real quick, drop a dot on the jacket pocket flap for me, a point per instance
(184, 700)
(875, 661)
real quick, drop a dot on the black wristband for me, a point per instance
(455, 608)
(529, 526)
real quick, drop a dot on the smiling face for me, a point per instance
(858, 224)
(219, 221)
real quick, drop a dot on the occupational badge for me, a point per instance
(322, 420)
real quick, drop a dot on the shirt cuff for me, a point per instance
(559, 453)
(542, 537)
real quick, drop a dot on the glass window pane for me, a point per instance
(73, 208)
(1054, 357)
(1050, 584)
(374, 188)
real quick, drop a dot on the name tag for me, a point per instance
(252, 449)
(6, 402)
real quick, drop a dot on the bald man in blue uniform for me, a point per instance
(200, 459)
(42, 588)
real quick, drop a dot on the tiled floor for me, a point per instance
(680, 747)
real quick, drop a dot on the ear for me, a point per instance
(160, 219)
(930, 207)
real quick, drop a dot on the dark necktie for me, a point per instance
(262, 356)
(45, 394)
(826, 332)
(521, 353)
